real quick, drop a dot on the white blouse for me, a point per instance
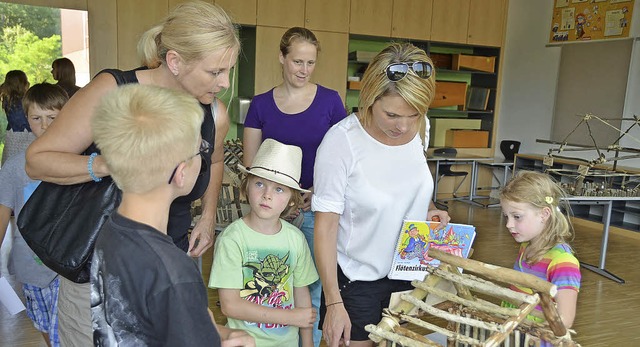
(373, 187)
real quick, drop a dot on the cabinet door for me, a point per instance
(412, 19)
(281, 13)
(327, 15)
(134, 18)
(486, 22)
(240, 11)
(267, 65)
(450, 20)
(331, 67)
(371, 17)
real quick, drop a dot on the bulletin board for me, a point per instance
(584, 20)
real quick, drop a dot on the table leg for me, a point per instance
(606, 219)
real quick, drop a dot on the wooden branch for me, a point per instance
(437, 329)
(483, 286)
(403, 340)
(418, 293)
(463, 291)
(480, 305)
(410, 334)
(553, 318)
(511, 324)
(452, 317)
(496, 273)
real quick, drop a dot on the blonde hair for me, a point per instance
(297, 33)
(46, 95)
(417, 92)
(540, 191)
(144, 131)
(193, 29)
(294, 201)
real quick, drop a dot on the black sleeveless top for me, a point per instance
(180, 211)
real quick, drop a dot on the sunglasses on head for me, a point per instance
(397, 71)
(205, 149)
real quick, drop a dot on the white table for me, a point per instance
(607, 203)
(457, 160)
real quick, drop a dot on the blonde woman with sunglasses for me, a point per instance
(370, 174)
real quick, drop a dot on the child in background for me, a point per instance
(42, 103)
(18, 135)
(262, 265)
(144, 290)
(534, 219)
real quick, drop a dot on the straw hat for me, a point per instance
(277, 162)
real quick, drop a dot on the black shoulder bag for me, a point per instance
(61, 222)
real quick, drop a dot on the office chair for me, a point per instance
(444, 167)
(509, 148)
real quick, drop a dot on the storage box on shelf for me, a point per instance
(439, 127)
(473, 62)
(450, 94)
(466, 138)
(459, 63)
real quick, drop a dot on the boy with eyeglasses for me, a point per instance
(145, 290)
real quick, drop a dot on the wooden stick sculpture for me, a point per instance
(473, 321)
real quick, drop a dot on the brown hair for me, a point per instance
(14, 87)
(46, 95)
(297, 33)
(65, 72)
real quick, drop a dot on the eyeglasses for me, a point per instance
(397, 71)
(205, 149)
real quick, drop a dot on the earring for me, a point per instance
(291, 204)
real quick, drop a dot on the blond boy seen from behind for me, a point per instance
(145, 290)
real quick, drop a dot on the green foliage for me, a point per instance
(20, 49)
(42, 21)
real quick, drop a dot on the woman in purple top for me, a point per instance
(295, 112)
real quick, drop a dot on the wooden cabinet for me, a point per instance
(281, 13)
(267, 65)
(330, 70)
(411, 19)
(469, 22)
(450, 20)
(331, 67)
(327, 15)
(371, 17)
(134, 18)
(240, 11)
(486, 22)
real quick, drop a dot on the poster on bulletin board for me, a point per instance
(585, 20)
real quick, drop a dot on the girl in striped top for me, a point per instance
(534, 219)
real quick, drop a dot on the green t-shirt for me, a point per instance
(265, 268)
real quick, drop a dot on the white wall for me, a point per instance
(529, 80)
(529, 76)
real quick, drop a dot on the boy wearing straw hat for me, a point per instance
(262, 264)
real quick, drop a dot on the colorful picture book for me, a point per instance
(410, 258)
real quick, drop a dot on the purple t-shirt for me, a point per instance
(305, 129)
